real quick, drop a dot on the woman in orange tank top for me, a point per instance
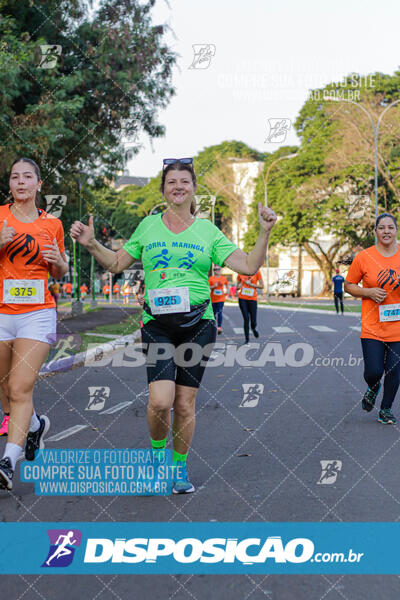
(31, 248)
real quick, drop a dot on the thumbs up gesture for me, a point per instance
(84, 234)
(6, 234)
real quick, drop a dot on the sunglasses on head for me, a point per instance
(172, 161)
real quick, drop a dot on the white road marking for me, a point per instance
(116, 408)
(238, 330)
(321, 328)
(103, 335)
(283, 330)
(356, 328)
(66, 433)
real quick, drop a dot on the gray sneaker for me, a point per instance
(6, 474)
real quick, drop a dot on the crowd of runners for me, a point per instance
(183, 296)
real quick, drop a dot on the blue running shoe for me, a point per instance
(368, 402)
(182, 484)
(387, 417)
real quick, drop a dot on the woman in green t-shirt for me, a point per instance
(178, 331)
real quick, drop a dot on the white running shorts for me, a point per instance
(39, 325)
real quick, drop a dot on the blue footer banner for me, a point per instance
(204, 548)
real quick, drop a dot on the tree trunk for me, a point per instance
(325, 262)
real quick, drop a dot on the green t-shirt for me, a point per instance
(179, 259)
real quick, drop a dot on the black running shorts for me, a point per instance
(178, 355)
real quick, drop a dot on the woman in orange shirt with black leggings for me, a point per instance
(247, 287)
(379, 269)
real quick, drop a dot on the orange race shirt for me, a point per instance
(247, 292)
(21, 259)
(376, 270)
(68, 288)
(217, 294)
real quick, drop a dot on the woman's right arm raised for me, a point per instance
(115, 262)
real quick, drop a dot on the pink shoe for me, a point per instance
(4, 425)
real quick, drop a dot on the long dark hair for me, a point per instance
(178, 166)
(38, 197)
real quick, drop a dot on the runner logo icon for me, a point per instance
(63, 543)
(203, 53)
(330, 471)
(278, 130)
(98, 397)
(251, 394)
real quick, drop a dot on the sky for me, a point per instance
(268, 55)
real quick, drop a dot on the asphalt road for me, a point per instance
(255, 457)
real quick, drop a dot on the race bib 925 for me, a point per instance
(169, 300)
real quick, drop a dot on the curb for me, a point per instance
(89, 356)
(309, 310)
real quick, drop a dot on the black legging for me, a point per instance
(382, 357)
(338, 296)
(248, 309)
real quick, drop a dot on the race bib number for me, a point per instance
(247, 292)
(217, 292)
(389, 312)
(23, 291)
(169, 300)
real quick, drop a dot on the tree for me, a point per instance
(215, 173)
(316, 192)
(110, 76)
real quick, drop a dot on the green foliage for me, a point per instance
(112, 76)
(312, 191)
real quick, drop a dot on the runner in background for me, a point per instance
(247, 288)
(55, 291)
(64, 290)
(140, 297)
(338, 281)
(106, 291)
(68, 288)
(378, 267)
(116, 290)
(5, 405)
(219, 288)
(125, 291)
(177, 251)
(232, 291)
(31, 249)
(84, 290)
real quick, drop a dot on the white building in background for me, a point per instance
(245, 175)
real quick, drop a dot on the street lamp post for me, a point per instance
(77, 307)
(234, 185)
(375, 131)
(93, 303)
(265, 179)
